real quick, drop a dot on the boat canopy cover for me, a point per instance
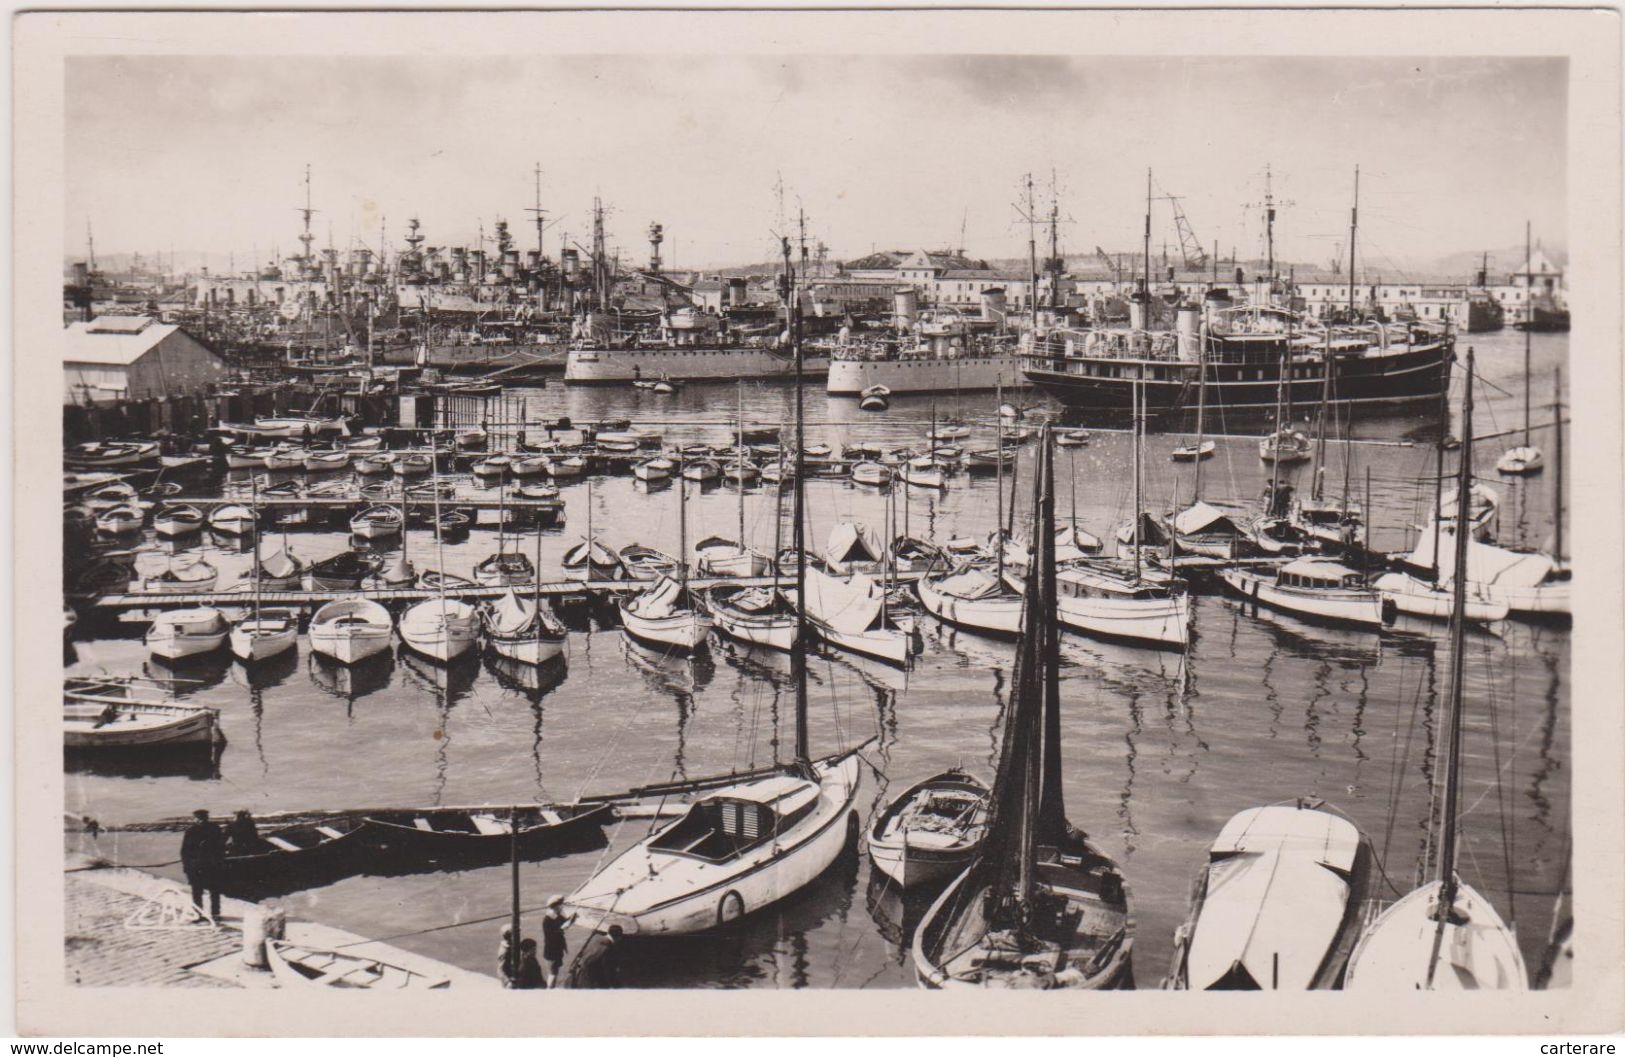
(1318, 569)
(661, 600)
(1486, 563)
(970, 584)
(847, 604)
(1153, 533)
(1277, 893)
(509, 614)
(1203, 517)
(851, 542)
(202, 620)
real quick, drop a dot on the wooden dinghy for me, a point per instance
(290, 854)
(452, 837)
(92, 725)
(295, 966)
(932, 830)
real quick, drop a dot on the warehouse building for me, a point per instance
(134, 358)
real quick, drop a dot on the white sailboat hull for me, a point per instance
(1480, 954)
(999, 615)
(1521, 461)
(891, 645)
(777, 631)
(647, 892)
(1422, 599)
(685, 630)
(1163, 621)
(1355, 608)
(440, 630)
(350, 631)
(186, 633)
(530, 651)
(252, 643)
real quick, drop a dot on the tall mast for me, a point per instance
(1269, 222)
(1458, 642)
(1032, 255)
(1147, 252)
(255, 484)
(1280, 428)
(1201, 408)
(998, 462)
(541, 216)
(798, 530)
(1354, 227)
(1319, 477)
(1054, 244)
(1557, 456)
(90, 243)
(739, 385)
(1529, 301)
(682, 533)
(1138, 397)
(1438, 467)
(305, 236)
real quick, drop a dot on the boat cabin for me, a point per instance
(1319, 575)
(723, 827)
(1085, 582)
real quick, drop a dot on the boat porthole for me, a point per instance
(731, 908)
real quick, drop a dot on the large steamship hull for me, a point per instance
(685, 364)
(1409, 375)
(926, 375)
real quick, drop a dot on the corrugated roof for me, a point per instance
(119, 347)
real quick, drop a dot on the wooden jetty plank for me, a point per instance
(162, 599)
(460, 502)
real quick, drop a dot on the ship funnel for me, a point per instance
(736, 291)
(993, 304)
(1188, 324)
(906, 306)
(1139, 306)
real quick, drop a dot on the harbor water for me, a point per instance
(1160, 748)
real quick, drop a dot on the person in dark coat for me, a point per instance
(242, 835)
(599, 966)
(554, 944)
(530, 970)
(203, 851)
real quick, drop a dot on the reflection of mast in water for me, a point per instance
(1002, 698)
(1549, 762)
(1182, 695)
(1430, 704)
(1271, 697)
(256, 702)
(1358, 727)
(685, 708)
(1311, 710)
(1125, 810)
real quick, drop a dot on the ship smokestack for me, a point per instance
(993, 304)
(906, 303)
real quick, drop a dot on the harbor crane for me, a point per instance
(1190, 247)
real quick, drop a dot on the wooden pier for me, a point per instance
(303, 599)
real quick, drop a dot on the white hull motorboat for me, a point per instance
(350, 630)
(232, 520)
(264, 636)
(1422, 599)
(1326, 598)
(187, 633)
(441, 629)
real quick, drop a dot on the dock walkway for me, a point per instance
(553, 589)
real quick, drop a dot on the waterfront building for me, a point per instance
(115, 358)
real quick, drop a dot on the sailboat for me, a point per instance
(440, 628)
(716, 556)
(667, 614)
(1041, 906)
(1444, 935)
(762, 616)
(529, 633)
(265, 633)
(1202, 448)
(748, 845)
(1525, 459)
(974, 596)
(1277, 905)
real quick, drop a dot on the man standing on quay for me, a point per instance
(203, 853)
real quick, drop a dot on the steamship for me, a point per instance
(684, 345)
(1247, 349)
(936, 351)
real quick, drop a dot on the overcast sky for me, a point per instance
(209, 154)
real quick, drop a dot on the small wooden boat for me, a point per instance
(591, 560)
(399, 573)
(195, 577)
(448, 837)
(505, 568)
(264, 634)
(117, 494)
(233, 519)
(923, 472)
(95, 455)
(296, 966)
(344, 571)
(470, 440)
(435, 580)
(441, 629)
(181, 633)
(974, 598)
(1072, 438)
(1193, 452)
(528, 466)
(290, 853)
(381, 492)
(492, 467)
(326, 461)
(453, 523)
(658, 468)
(1285, 446)
(379, 522)
(666, 615)
(350, 630)
(760, 435)
(701, 470)
(282, 571)
(949, 430)
(523, 630)
(617, 445)
(646, 563)
(362, 445)
(285, 459)
(1110, 602)
(1277, 906)
(931, 831)
(990, 460)
(414, 465)
(177, 520)
(874, 401)
(1321, 589)
(715, 556)
(871, 473)
(1521, 461)
(566, 466)
(758, 615)
(91, 725)
(376, 465)
(120, 521)
(740, 474)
